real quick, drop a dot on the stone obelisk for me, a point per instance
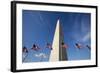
(58, 53)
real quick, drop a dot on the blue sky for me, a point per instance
(39, 28)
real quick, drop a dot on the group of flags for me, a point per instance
(35, 47)
(79, 46)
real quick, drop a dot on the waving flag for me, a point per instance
(64, 45)
(25, 50)
(35, 47)
(78, 45)
(49, 46)
(88, 47)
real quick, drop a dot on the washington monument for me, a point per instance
(58, 53)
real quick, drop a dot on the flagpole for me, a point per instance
(25, 58)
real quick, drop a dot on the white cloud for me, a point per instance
(41, 55)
